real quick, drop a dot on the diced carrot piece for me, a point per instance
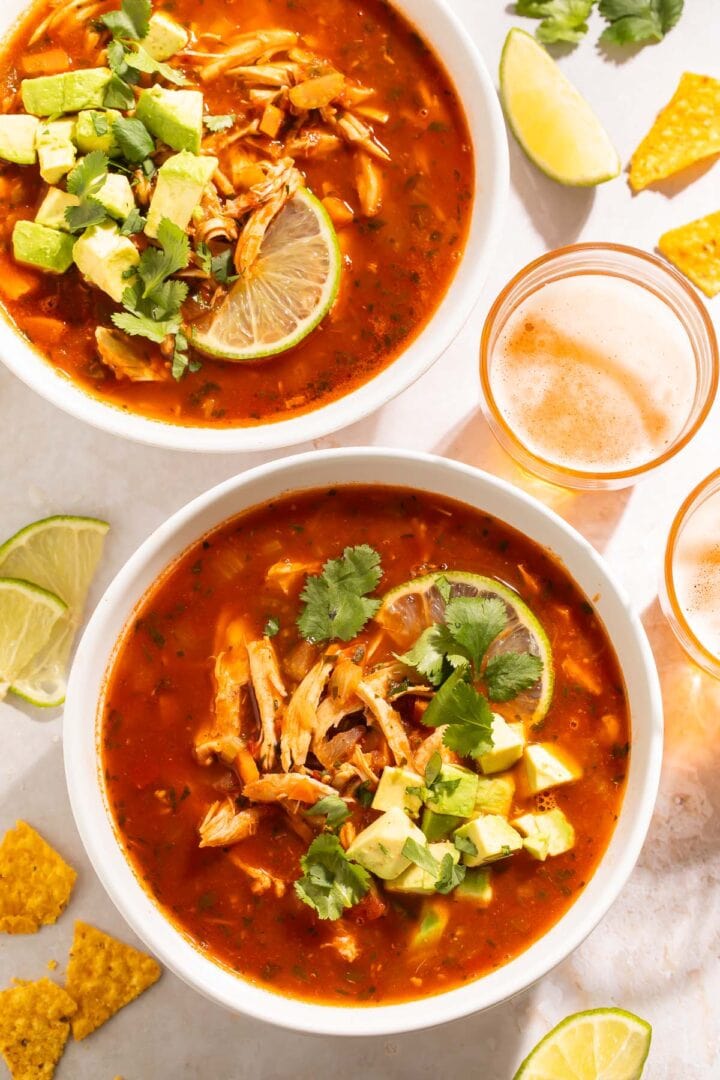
(50, 62)
(271, 122)
(16, 282)
(42, 328)
(246, 767)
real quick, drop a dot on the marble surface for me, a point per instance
(658, 950)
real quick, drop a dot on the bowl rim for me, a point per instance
(487, 129)
(424, 472)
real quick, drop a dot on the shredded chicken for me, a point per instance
(231, 676)
(433, 745)
(361, 762)
(286, 575)
(261, 881)
(333, 752)
(129, 358)
(242, 50)
(369, 184)
(276, 787)
(300, 717)
(285, 184)
(269, 689)
(224, 825)
(344, 942)
(389, 722)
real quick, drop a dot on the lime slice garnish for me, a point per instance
(410, 608)
(59, 554)
(553, 123)
(291, 286)
(28, 615)
(600, 1044)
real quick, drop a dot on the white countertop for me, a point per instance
(658, 951)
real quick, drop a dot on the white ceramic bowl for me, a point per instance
(325, 469)
(440, 26)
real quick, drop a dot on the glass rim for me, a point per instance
(689, 504)
(549, 469)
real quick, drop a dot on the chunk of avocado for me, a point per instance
(453, 792)
(53, 207)
(434, 917)
(94, 131)
(55, 149)
(17, 139)
(547, 767)
(379, 847)
(66, 93)
(493, 837)
(494, 795)
(116, 196)
(549, 833)
(178, 190)
(417, 880)
(165, 37)
(174, 116)
(475, 886)
(399, 786)
(438, 826)
(507, 748)
(46, 249)
(104, 256)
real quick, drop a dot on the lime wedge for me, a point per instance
(60, 554)
(291, 286)
(553, 123)
(410, 608)
(600, 1044)
(28, 615)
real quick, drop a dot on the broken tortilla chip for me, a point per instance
(685, 131)
(695, 250)
(103, 975)
(34, 1027)
(35, 882)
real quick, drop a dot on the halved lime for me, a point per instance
(59, 554)
(550, 119)
(600, 1044)
(410, 608)
(291, 286)
(28, 615)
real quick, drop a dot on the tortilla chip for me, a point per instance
(687, 130)
(35, 882)
(695, 250)
(34, 1028)
(103, 975)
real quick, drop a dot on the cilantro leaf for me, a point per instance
(421, 856)
(432, 769)
(219, 123)
(271, 628)
(89, 175)
(131, 22)
(430, 652)
(204, 257)
(335, 809)
(181, 361)
(475, 622)
(138, 325)
(467, 714)
(140, 60)
(157, 264)
(562, 20)
(444, 587)
(451, 874)
(133, 138)
(330, 882)
(88, 212)
(335, 606)
(638, 21)
(364, 794)
(133, 223)
(222, 267)
(465, 844)
(118, 95)
(508, 674)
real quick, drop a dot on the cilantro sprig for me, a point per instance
(466, 713)
(336, 604)
(631, 22)
(446, 873)
(562, 20)
(126, 56)
(330, 882)
(84, 181)
(334, 809)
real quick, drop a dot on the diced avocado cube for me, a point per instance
(174, 116)
(549, 833)
(379, 847)
(453, 792)
(547, 767)
(165, 37)
(434, 917)
(178, 190)
(17, 139)
(399, 786)
(46, 249)
(494, 795)
(508, 745)
(116, 196)
(55, 149)
(475, 886)
(419, 881)
(104, 257)
(69, 92)
(94, 131)
(493, 838)
(53, 207)
(438, 826)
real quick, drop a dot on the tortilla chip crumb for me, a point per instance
(695, 250)
(687, 130)
(35, 882)
(52, 965)
(34, 1028)
(103, 975)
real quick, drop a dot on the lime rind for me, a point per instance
(28, 615)
(625, 1059)
(299, 261)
